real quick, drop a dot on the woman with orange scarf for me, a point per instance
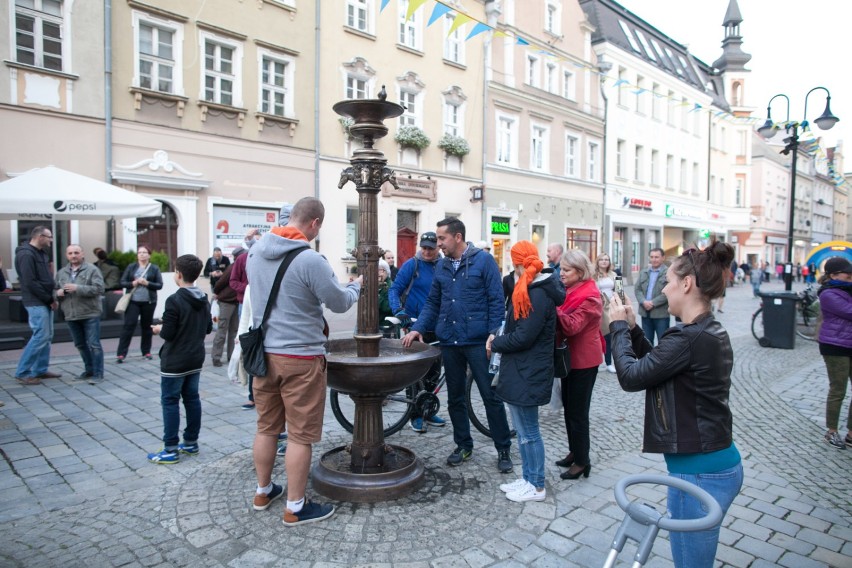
(526, 366)
(579, 322)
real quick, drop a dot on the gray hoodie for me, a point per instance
(295, 325)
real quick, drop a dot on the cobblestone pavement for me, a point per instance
(76, 489)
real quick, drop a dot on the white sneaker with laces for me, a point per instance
(514, 486)
(610, 368)
(527, 492)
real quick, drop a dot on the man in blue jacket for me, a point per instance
(407, 295)
(465, 308)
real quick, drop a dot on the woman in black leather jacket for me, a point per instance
(686, 379)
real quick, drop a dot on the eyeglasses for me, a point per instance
(430, 238)
(690, 253)
(46, 236)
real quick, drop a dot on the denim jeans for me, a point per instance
(698, 549)
(36, 356)
(172, 390)
(86, 335)
(650, 326)
(530, 443)
(456, 361)
(144, 312)
(608, 350)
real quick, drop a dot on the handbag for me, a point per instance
(124, 302)
(561, 360)
(251, 342)
(605, 319)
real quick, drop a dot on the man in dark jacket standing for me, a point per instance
(33, 267)
(465, 307)
(226, 334)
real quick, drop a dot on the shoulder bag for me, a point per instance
(124, 302)
(251, 342)
(561, 360)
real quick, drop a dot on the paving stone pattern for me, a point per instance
(76, 489)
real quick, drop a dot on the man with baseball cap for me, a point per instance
(408, 294)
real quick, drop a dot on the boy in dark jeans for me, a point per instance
(186, 320)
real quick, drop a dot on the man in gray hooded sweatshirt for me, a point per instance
(295, 335)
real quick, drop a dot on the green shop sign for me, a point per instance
(500, 225)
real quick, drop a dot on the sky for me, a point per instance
(794, 45)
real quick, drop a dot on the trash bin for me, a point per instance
(779, 319)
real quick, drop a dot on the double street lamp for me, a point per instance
(768, 130)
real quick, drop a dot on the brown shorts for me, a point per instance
(293, 394)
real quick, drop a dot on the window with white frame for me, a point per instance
(622, 85)
(655, 167)
(670, 114)
(357, 88)
(551, 84)
(594, 157)
(453, 41)
(640, 94)
(506, 140)
(276, 84)
(683, 175)
(222, 70)
(669, 171)
(619, 158)
(409, 29)
(533, 70)
(638, 158)
(158, 53)
(452, 119)
(684, 111)
(553, 17)
(569, 86)
(38, 33)
(408, 99)
(539, 148)
(359, 15)
(695, 178)
(571, 157)
(655, 101)
(738, 192)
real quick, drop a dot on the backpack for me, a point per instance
(404, 295)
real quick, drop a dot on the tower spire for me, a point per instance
(733, 57)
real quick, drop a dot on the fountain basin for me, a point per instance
(395, 368)
(333, 477)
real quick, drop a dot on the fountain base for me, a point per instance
(401, 474)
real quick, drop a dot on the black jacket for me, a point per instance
(686, 379)
(153, 276)
(526, 364)
(186, 320)
(33, 268)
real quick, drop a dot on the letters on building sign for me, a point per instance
(419, 188)
(636, 203)
(501, 225)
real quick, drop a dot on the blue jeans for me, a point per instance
(456, 361)
(530, 443)
(608, 350)
(654, 325)
(86, 335)
(36, 356)
(172, 390)
(698, 549)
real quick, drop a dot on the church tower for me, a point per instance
(731, 65)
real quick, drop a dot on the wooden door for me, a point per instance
(406, 245)
(160, 233)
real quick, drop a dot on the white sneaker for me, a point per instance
(610, 368)
(527, 493)
(514, 486)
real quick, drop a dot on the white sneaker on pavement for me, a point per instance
(527, 492)
(610, 368)
(514, 486)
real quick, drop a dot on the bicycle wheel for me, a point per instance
(396, 409)
(757, 326)
(475, 406)
(806, 323)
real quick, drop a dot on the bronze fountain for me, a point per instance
(368, 367)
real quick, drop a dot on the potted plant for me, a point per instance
(412, 137)
(454, 145)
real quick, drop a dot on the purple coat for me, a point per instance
(835, 300)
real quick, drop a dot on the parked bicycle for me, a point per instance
(807, 311)
(418, 399)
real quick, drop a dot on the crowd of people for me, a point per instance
(450, 293)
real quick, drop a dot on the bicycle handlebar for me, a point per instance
(647, 516)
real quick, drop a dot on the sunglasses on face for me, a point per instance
(430, 238)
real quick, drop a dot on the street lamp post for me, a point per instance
(768, 130)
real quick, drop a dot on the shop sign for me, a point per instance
(412, 187)
(776, 240)
(501, 225)
(675, 211)
(232, 223)
(636, 203)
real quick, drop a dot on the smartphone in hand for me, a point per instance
(619, 288)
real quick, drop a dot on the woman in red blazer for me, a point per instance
(579, 322)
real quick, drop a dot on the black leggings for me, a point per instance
(136, 311)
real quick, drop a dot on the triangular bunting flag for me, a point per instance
(459, 21)
(438, 11)
(522, 41)
(413, 5)
(384, 5)
(477, 29)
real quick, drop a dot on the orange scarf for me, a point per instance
(289, 232)
(524, 254)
